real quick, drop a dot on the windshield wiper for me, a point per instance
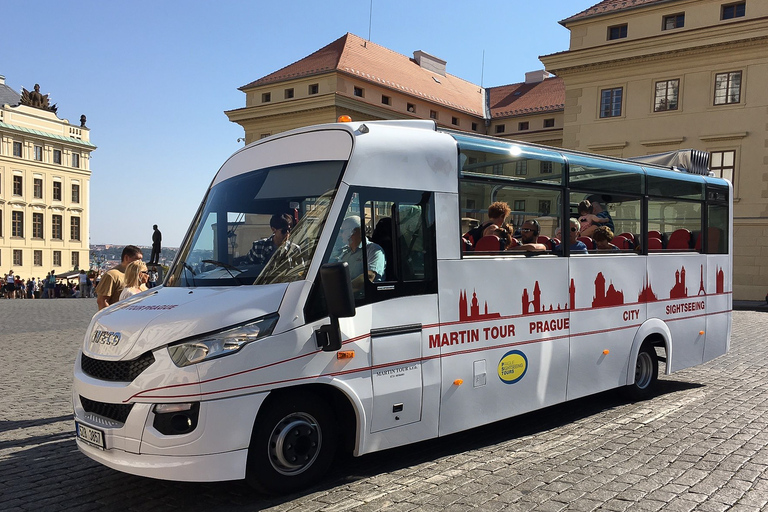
(189, 269)
(226, 266)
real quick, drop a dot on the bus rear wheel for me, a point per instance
(292, 445)
(646, 374)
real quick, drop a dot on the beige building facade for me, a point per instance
(44, 186)
(363, 80)
(640, 77)
(661, 75)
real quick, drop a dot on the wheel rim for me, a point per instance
(295, 443)
(643, 370)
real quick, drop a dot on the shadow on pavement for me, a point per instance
(52, 465)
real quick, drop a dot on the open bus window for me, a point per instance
(542, 204)
(607, 223)
(676, 223)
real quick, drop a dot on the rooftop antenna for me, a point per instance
(370, 20)
(482, 70)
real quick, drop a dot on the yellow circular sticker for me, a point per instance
(512, 366)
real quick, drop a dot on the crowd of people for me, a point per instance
(131, 276)
(593, 221)
(50, 286)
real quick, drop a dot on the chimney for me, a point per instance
(534, 77)
(429, 62)
(2, 80)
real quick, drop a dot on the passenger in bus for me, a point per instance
(602, 237)
(382, 236)
(529, 234)
(351, 235)
(497, 213)
(576, 246)
(505, 233)
(600, 211)
(262, 250)
(587, 219)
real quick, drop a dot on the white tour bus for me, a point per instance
(243, 367)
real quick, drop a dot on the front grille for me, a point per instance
(117, 412)
(116, 371)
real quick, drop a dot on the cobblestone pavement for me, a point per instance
(700, 444)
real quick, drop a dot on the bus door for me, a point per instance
(388, 239)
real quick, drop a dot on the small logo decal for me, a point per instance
(106, 338)
(512, 367)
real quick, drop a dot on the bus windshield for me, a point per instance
(260, 227)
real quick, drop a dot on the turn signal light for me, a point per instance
(701, 333)
(458, 382)
(345, 119)
(606, 352)
(347, 354)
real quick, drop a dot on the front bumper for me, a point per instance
(201, 468)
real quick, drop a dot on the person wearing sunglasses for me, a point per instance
(136, 277)
(529, 235)
(576, 246)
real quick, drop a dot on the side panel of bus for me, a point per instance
(608, 310)
(503, 338)
(719, 300)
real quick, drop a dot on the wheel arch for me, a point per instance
(344, 403)
(655, 332)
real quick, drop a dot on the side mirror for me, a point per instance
(340, 301)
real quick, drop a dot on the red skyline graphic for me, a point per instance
(679, 291)
(535, 303)
(472, 311)
(646, 294)
(720, 281)
(603, 297)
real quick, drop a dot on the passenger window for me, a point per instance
(540, 204)
(387, 237)
(607, 223)
(524, 164)
(717, 222)
(676, 223)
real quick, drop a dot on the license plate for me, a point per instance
(90, 435)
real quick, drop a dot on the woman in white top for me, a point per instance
(136, 277)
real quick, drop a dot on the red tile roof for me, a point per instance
(611, 6)
(371, 62)
(520, 99)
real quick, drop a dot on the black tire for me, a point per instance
(646, 374)
(292, 445)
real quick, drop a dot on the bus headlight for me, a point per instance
(221, 343)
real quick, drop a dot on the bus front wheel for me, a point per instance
(292, 445)
(646, 374)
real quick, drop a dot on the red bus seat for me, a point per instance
(654, 244)
(490, 243)
(622, 242)
(680, 239)
(587, 241)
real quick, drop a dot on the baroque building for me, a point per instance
(44, 186)
(650, 76)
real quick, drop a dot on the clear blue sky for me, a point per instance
(155, 77)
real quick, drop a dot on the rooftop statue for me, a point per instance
(36, 99)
